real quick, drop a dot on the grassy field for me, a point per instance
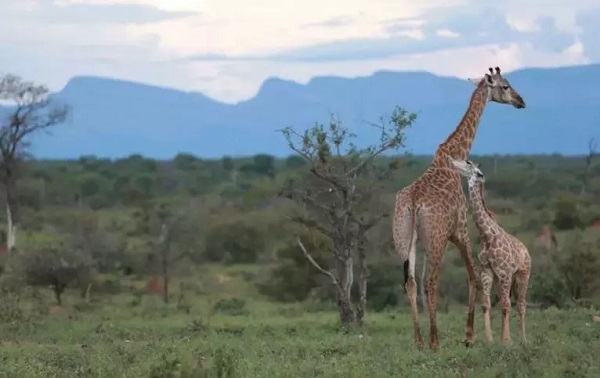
(129, 338)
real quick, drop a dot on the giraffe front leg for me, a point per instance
(504, 289)
(487, 278)
(463, 243)
(521, 282)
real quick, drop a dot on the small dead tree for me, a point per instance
(30, 110)
(338, 197)
(170, 226)
(164, 243)
(592, 153)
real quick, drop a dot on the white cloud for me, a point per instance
(242, 80)
(51, 41)
(447, 33)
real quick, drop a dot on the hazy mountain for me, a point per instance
(113, 118)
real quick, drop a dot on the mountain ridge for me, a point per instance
(115, 118)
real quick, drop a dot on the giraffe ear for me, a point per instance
(475, 80)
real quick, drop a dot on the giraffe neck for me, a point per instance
(458, 144)
(482, 216)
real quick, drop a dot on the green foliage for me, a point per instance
(293, 278)
(294, 162)
(231, 306)
(566, 212)
(234, 240)
(239, 218)
(580, 266)
(46, 263)
(384, 286)
(568, 274)
(264, 165)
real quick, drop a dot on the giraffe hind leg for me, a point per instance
(487, 278)
(405, 240)
(435, 257)
(411, 289)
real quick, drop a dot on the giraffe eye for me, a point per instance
(479, 174)
(505, 87)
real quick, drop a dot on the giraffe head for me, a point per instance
(468, 169)
(500, 89)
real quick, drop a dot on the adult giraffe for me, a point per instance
(433, 209)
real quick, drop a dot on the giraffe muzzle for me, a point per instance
(519, 103)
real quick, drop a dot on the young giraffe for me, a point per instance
(433, 209)
(503, 257)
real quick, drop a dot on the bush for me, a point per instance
(231, 306)
(234, 241)
(384, 285)
(49, 263)
(566, 212)
(568, 274)
(294, 278)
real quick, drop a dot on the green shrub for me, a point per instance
(230, 306)
(293, 278)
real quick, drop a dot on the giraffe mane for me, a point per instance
(480, 85)
(482, 196)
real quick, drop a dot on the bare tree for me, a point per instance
(172, 228)
(164, 242)
(592, 153)
(30, 110)
(338, 196)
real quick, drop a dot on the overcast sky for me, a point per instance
(226, 48)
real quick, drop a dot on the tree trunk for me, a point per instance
(345, 273)
(58, 291)
(12, 211)
(363, 274)
(11, 230)
(165, 285)
(347, 316)
(164, 246)
(87, 293)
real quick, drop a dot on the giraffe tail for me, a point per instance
(410, 255)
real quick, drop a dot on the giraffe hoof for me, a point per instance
(468, 343)
(419, 344)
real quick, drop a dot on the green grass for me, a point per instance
(119, 339)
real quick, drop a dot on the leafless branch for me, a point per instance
(310, 224)
(316, 264)
(370, 223)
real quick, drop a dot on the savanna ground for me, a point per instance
(133, 335)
